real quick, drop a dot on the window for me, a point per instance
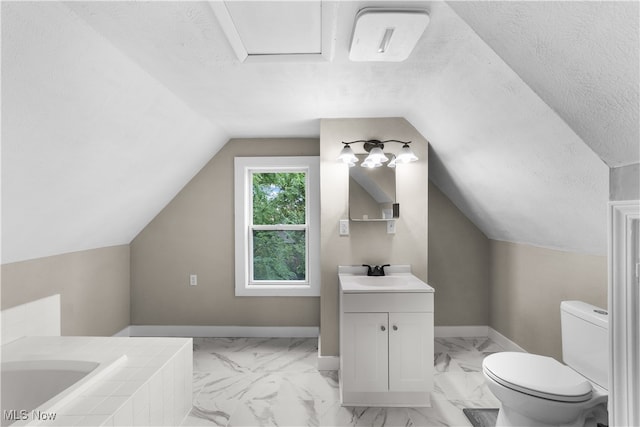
(277, 226)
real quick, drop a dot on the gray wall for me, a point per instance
(458, 264)
(527, 285)
(194, 234)
(624, 182)
(93, 287)
(368, 242)
(514, 288)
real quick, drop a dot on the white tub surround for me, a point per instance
(386, 338)
(37, 389)
(138, 381)
(40, 317)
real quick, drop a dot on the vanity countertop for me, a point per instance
(394, 282)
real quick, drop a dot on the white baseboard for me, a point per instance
(224, 331)
(504, 342)
(477, 331)
(460, 331)
(327, 363)
(126, 332)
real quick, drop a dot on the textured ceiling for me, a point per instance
(110, 107)
(581, 58)
(93, 147)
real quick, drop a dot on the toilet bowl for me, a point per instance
(539, 391)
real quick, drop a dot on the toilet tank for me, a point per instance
(585, 340)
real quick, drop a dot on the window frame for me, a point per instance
(244, 168)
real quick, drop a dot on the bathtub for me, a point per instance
(105, 381)
(34, 390)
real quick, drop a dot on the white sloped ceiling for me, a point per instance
(93, 147)
(110, 107)
(580, 57)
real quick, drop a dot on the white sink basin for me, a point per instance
(402, 282)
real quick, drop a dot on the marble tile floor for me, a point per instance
(274, 382)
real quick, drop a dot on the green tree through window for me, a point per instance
(279, 230)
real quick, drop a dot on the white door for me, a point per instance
(635, 325)
(364, 352)
(410, 351)
(624, 313)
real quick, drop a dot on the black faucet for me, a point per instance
(377, 270)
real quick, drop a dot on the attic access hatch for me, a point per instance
(277, 30)
(388, 35)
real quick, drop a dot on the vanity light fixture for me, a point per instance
(347, 155)
(376, 156)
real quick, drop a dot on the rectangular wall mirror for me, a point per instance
(372, 192)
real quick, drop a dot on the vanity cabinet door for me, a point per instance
(364, 351)
(410, 351)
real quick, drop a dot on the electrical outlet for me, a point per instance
(344, 227)
(391, 227)
(193, 280)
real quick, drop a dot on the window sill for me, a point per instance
(277, 291)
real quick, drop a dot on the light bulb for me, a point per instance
(406, 155)
(347, 155)
(377, 155)
(371, 163)
(392, 163)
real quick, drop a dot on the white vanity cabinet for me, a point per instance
(386, 344)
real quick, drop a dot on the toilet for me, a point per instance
(539, 391)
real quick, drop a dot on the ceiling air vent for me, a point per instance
(382, 34)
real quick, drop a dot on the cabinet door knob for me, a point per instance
(395, 328)
(382, 328)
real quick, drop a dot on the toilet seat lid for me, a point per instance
(538, 376)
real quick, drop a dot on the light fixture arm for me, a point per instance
(370, 143)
